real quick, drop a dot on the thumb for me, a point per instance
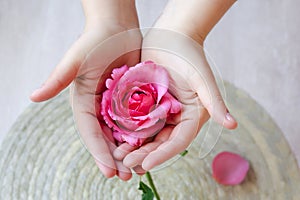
(63, 74)
(214, 103)
(211, 98)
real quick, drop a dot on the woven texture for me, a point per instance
(42, 158)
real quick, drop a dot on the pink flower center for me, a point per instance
(141, 101)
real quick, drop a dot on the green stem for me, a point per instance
(149, 178)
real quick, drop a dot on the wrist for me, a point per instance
(194, 18)
(120, 12)
(179, 25)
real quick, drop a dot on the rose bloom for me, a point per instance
(137, 104)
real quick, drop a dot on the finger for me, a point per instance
(139, 170)
(121, 151)
(97, 138)
(63, 74)
(106, 171)
(180, 138)
(124, 173)
(136, 157)
(92, 135)
(206, 87)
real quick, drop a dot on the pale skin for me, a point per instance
(200, 95)
(189, 37)
(85, 62)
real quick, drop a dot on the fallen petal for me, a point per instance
(229, 168)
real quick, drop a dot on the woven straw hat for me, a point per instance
(42, 158)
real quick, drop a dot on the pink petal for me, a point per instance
(133, 141)
(136, 128)
(105, 107)
(148, 72)
(126, 124)
(159, 113)
(117, 73)
(175, 105)
(136, 138)
(121, 95)
(229, 168)
(148, 62)
(148, 132)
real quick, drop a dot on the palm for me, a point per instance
(91, 57)
(109, 53)
(181, 130)
(193, 83)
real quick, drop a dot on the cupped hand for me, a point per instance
(194, 85)
(99, 49)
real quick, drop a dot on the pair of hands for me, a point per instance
(108, 45)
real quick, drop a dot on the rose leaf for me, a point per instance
(147, 192)
(184, 153)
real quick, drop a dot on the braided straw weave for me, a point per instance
(42, 158)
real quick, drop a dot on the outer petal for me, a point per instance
(107, 95)
(229, 168)
(175, 105)
(117, 73)
(105, 107)
(136, 138)
(124, 123)
(133, 141)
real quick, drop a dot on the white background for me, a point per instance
(255, 46)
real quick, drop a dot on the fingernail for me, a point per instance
(229, 117)
(35, 91)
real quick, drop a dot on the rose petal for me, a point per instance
(175, 105)
(133, 141)
(148, 73)
(148, 62)
(117, 73)
(107, 95)
(161, 112)
(105, 107)
(124, 123)
(136, 138)
(136, 127)
(229, 168)
(120, 97)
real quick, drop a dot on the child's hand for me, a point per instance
(111, 39)
(169, 44)
(194, 85)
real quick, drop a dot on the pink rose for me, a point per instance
(137, 104)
